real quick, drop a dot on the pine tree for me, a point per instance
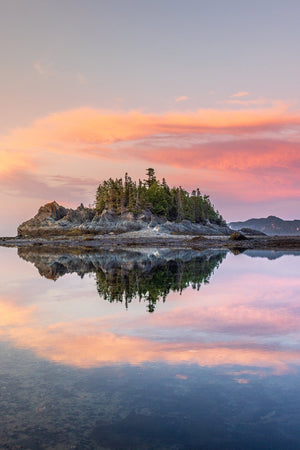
(174, 204)
(151, 178)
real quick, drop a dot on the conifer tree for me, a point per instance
(174, 204)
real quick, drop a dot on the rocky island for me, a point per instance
(124, 206)
(147, 213)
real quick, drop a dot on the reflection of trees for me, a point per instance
(123, 275)
(151, 286)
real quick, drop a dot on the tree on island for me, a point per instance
(175, 204)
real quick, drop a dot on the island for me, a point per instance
(123, 206)
(144, 213)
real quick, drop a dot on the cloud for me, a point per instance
(239, 155)
(247, 169)
(240, 94)
(15, 159)
(24, 183)
(44, 69)
(253, 153)
(256, 102)
(83, 129)
(181, 99)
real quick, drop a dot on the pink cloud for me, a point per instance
(24, 183)
(181, 99)
(247, 169)
(240, 94)
(81, 130)
(248, 154)
(240, 155)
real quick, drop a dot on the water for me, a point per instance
(148, 349)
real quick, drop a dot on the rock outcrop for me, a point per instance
(53, 219)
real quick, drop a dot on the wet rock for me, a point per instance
(237, 236)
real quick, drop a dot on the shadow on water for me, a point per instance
(121, 276)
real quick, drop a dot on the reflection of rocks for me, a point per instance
(149, 274)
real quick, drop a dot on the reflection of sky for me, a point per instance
(248, 315)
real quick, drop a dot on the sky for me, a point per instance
(206, 92)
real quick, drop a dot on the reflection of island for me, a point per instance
(148, 274)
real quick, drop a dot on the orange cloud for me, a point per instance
(259, 101)
(249, 153)
(181, 99)
(92, 131)
(12, 160)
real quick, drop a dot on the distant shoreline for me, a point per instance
(140, 239)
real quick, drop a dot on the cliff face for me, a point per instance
(53, 219)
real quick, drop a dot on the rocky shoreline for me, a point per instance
(142, 239)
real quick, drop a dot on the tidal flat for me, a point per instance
(150, 238)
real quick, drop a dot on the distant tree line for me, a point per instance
(174, 203)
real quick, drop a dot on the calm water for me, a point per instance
(149, 349)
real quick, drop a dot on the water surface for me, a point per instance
(149, 349)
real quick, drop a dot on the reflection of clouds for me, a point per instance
(251, 305)
(89, 343)
(247, 317)
(12, 315)
(233, 319)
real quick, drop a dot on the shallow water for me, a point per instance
(149, 349)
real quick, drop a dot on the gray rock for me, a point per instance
(53, 219)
